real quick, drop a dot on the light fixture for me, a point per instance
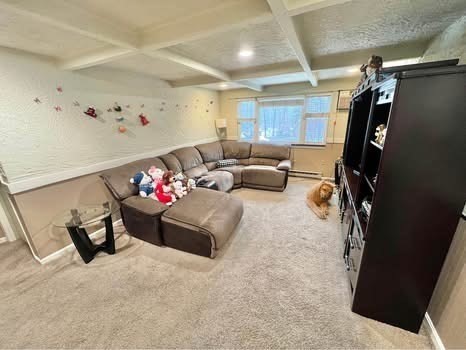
(245, 53)
(353, 70)
(223, 85)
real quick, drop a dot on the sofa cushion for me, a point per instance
(211, 165)
(236, 150)
(236, 171)
(264, 175)
(117, 179)
(189, 157)
(172, 163)
(259, 150)
(223, 179)
(146, 206)
(284, 165)
(197, 171)
(263, 161)
(202, 222)
(210, 152)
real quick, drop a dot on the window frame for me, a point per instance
(303, 120)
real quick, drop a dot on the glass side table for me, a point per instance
(75, 221)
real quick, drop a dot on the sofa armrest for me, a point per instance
(284, 165)
(146, 206)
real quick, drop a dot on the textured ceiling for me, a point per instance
(221, 50)
(22, 33)
(138, 14)
(362, 24)
(148, 65)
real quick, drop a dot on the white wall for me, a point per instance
(451, 43)
(36, 140)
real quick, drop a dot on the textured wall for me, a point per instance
(449, 44)
(36, 140)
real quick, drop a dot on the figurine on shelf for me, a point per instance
(91, 112)
(373, 65)
(143, 119)
(380, 133)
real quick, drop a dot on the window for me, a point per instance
(280, 120)
(316, 116)
(246, 119)
(285, 119)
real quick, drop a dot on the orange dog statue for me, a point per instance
(318, 198)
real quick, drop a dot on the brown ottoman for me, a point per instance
(201, 222)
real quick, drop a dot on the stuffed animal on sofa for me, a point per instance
(163, 191)
(179, 189)
(191, 185)
(144, 182)
(155, 173)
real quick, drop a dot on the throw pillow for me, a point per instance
(226, 162)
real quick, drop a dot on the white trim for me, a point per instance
(6, 224)
(69, 248)
(3, 240)
(48, 179)
(433, 334)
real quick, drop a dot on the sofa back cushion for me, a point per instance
(278, 152)
(189, 157)
(236, 150)
(210, 152)
(197, 171)
(117, 179)
(263, 161)
(172, 163)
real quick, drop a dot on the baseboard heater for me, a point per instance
(302, 173)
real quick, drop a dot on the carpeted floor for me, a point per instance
(280, 283)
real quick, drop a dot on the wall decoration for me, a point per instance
(161, 109)
(58, 108)
(185, 106)
(117, 107)
(37, 100)
(177, 105)
(120, 118)
(211, 102)
(207, 111)
(143, 119)
(128, 106)
(109, 110)
(163, 103)
(121, 129)
(344, 99)
(59, 89)
(142, 106)
(76, 104)
(91, 112)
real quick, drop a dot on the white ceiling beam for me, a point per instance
(280, 12)
(298, 7)
(95, 58)
(250, 85)
(216, 20)
(266, 71)
(66, 16)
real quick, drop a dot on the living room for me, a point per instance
(232, 174)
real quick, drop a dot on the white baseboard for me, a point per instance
(434, 336)
(69, 248)
(3, 240)
(48, 179)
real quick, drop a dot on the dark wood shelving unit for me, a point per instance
(394, 257)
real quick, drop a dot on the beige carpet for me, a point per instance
(280, 283)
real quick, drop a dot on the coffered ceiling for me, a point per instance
(225, 44)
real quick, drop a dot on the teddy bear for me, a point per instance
(179, 189)
(191, 185)
(163, 191)
(144, 182)
(155, 173)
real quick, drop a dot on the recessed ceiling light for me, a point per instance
(245, 53)
(353, 70)
(223, 85)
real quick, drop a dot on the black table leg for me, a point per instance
(86, 249)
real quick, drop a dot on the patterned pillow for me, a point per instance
(226, 162)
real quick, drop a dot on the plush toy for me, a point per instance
(380, 133)
(144, 182)
(155, 173)
(163, 191)
(191, 185)
(143, 119)
(179, 189)
(91, 112)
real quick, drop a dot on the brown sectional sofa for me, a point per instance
(201, 222)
